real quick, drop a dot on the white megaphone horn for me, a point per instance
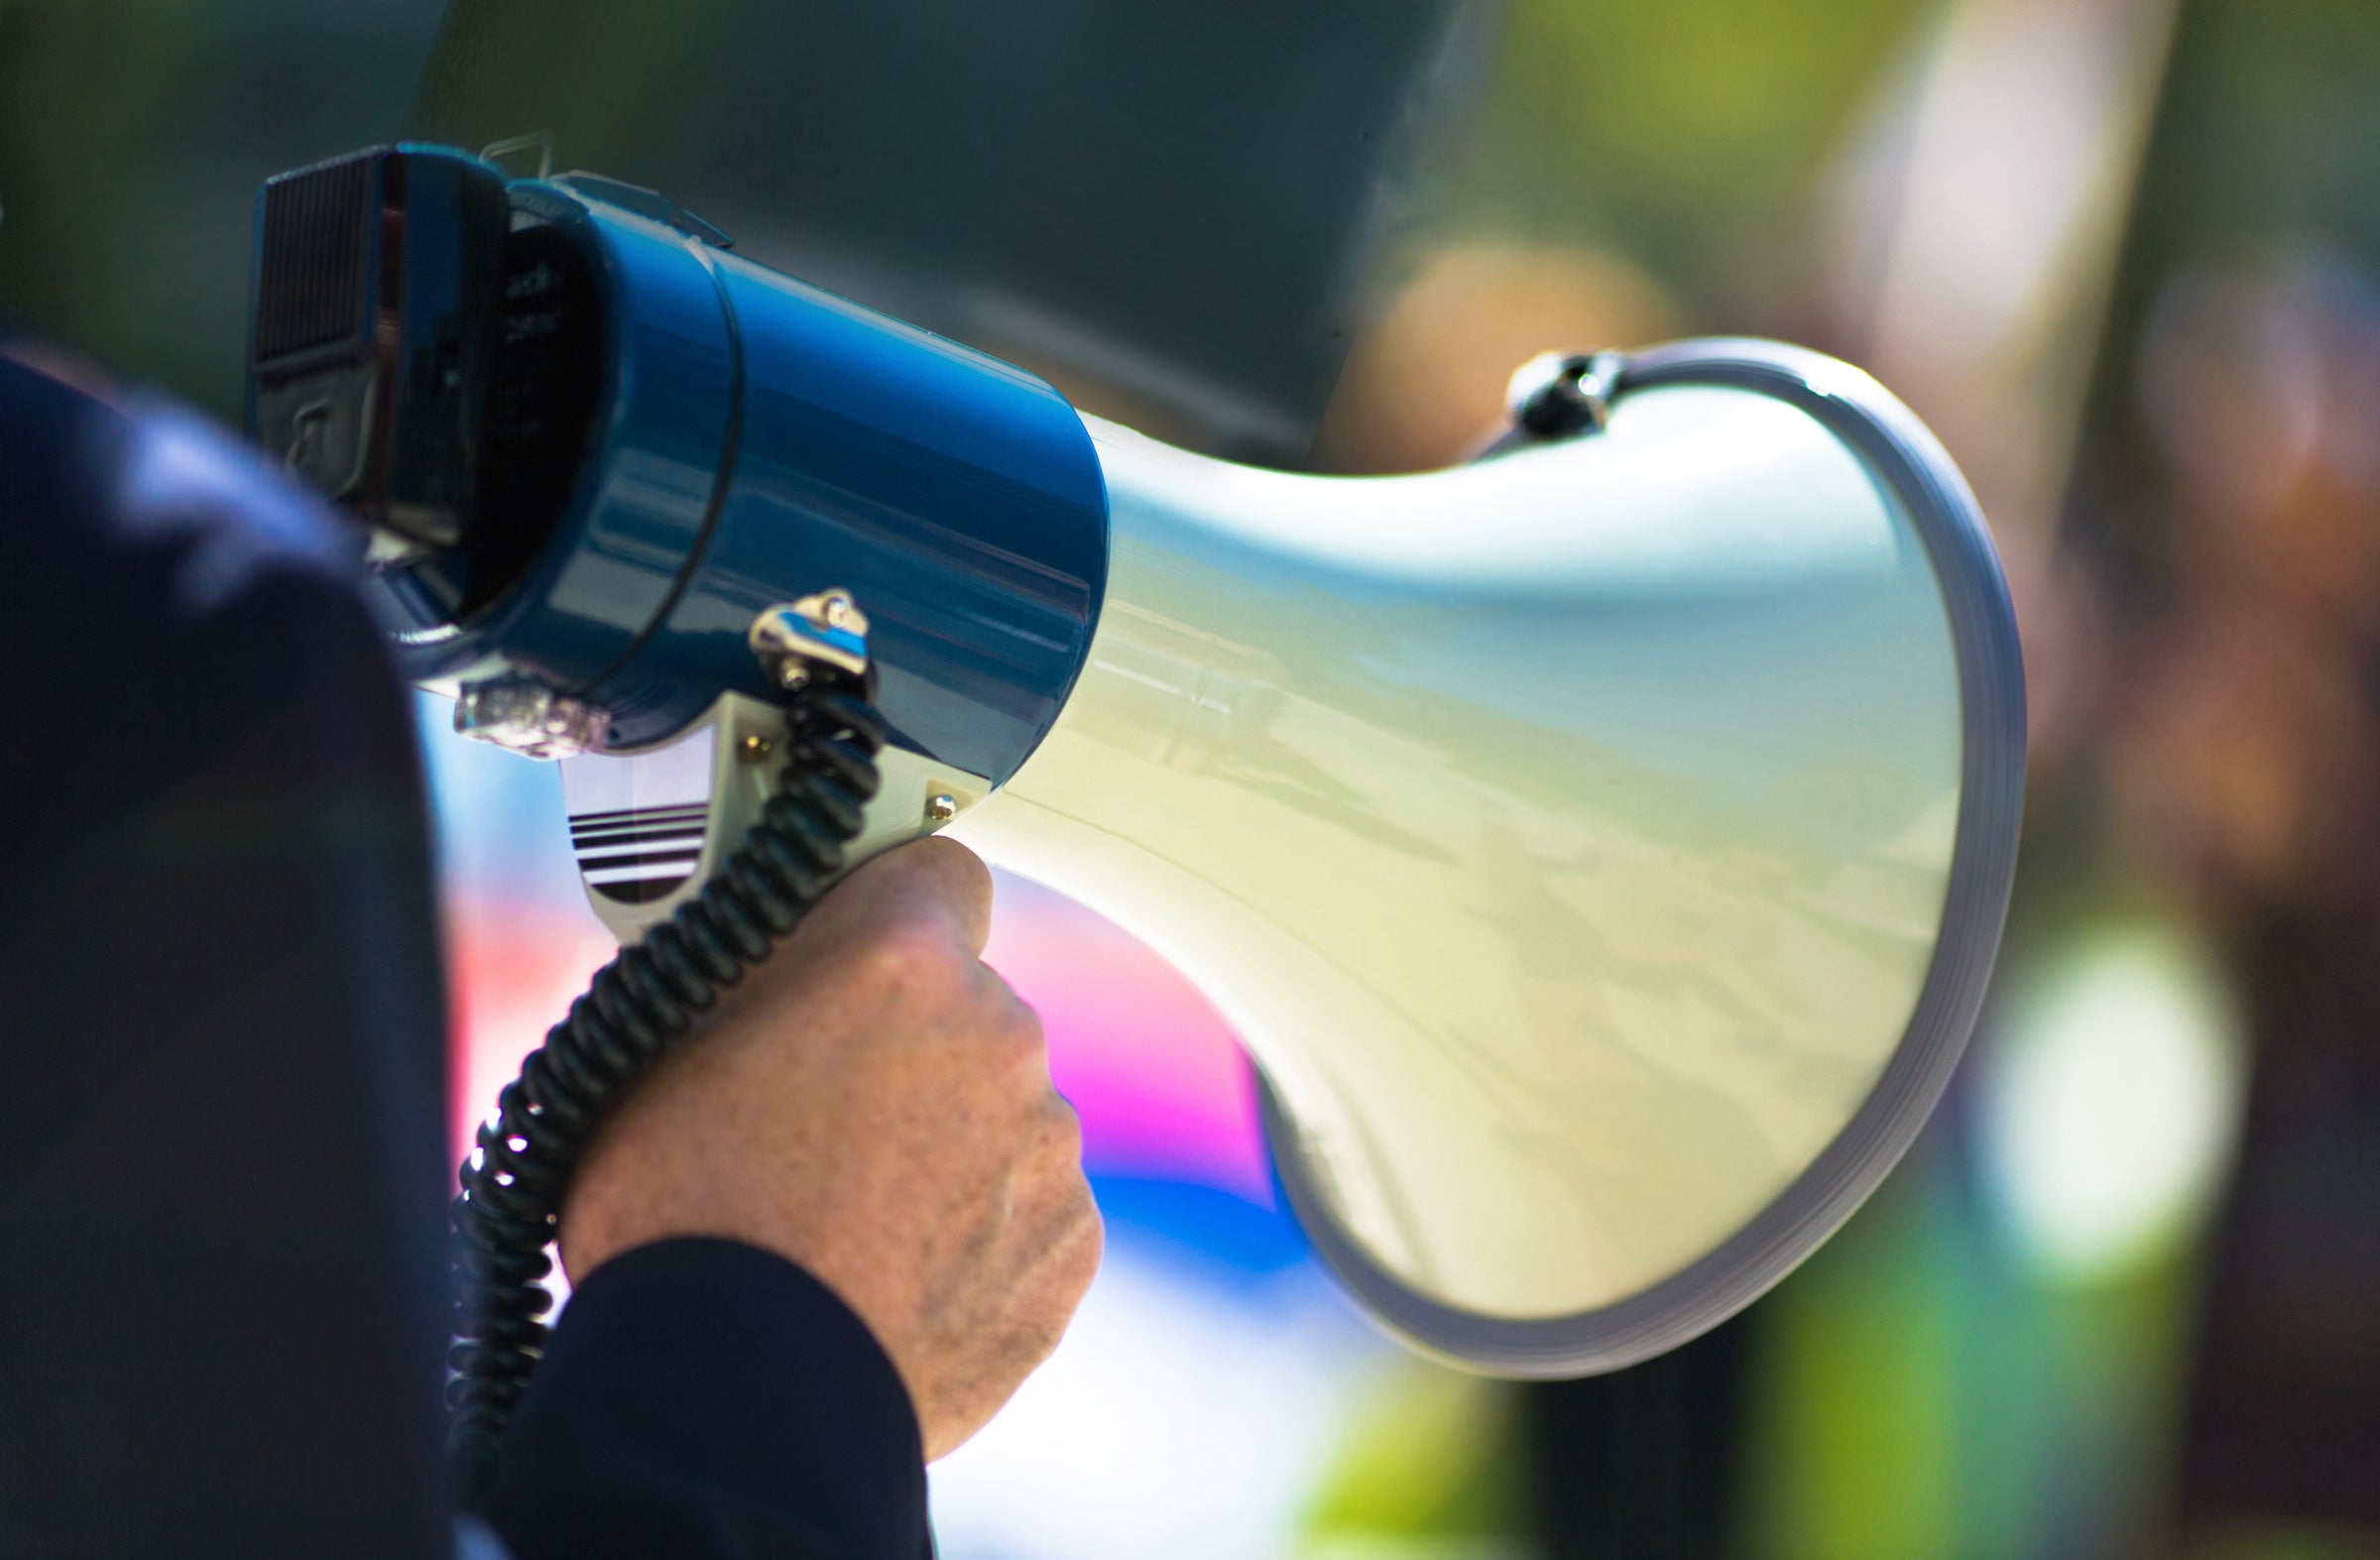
(1601, 847)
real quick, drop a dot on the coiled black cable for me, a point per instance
(634, 1011)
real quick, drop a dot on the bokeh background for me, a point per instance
(2123, 1299)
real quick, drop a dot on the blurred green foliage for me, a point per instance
(2271, 124)
(1434, 1452)
(1692, 134)
(133, 134)
(135, 131)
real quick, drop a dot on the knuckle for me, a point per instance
(1060, 1128)
(901, 957)
(1016, 1032)
(959, 871)
(1084, 1243)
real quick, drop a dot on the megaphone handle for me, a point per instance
(636, 1011)
(649, 829)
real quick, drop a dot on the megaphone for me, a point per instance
(1601, 846)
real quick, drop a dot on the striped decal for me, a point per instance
(637, 855)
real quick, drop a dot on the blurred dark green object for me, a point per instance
(1163, 205)
(133, 135)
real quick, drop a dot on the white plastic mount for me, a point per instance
(649, 826)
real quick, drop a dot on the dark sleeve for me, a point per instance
(702, 1399)
(223, 1161)
(222, 1148)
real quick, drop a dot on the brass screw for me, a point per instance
(940, 809)
(753, 748)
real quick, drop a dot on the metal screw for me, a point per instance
(753, 748)
(1555, 393)
(940, 808)
(840, 610)
(793, 676)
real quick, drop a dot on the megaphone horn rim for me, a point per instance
(1942, 509)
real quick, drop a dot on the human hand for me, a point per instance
(874, 1104)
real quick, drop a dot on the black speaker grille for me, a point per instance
(314, 258)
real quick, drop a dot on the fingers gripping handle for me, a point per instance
(694, 939)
